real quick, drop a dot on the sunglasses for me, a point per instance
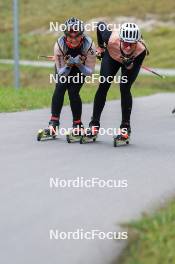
(128, 44)
(74, 38)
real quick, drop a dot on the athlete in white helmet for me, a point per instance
(125, 49)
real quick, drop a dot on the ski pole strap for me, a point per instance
(144, 44)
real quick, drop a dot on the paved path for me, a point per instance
(29, 208)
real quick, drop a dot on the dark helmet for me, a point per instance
(74, 25)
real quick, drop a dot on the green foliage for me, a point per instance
(36, 15)
(152, 239)
(36, 91)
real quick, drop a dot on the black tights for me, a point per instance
(110, 67)
(74, 97)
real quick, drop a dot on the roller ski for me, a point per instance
(122, 137)
(76, 133)
(91, 133)
(49, 133)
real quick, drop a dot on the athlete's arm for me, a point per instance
(88, 65)
(103, 34)
(140, 58)
(91, 59)
(61, 67)
(64, 71)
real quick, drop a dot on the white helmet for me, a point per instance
(130, 32)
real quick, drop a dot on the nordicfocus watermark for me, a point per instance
(81, 234)
(92, 26)
(81, 131)
(80, 78)
(81, 182)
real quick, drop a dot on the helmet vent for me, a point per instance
(137, 34)
(126, 33)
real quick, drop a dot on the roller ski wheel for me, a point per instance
(87, 139)
(76, 132)
(71, 138)
(45, 134)
(119, 140)
(91, 133)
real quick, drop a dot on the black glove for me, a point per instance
(99, 56)
(69, 60)
(127, 62)
(78, 60)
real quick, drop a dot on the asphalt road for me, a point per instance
(29, 208)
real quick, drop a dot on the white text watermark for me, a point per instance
(81, 182)
(81, 234)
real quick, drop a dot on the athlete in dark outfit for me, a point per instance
(123, 50)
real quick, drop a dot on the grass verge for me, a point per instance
(152, 239)
(34, 18)
(36, 92)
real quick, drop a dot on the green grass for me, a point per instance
(161, 46)
(152, 239)
(160, 42)
(36, 15)
(36, 91)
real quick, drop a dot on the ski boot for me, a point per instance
(123, 135)
(51, 132)
(76, 132)
(91, 133)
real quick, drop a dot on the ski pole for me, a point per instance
(50, 58)
(150, 70)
